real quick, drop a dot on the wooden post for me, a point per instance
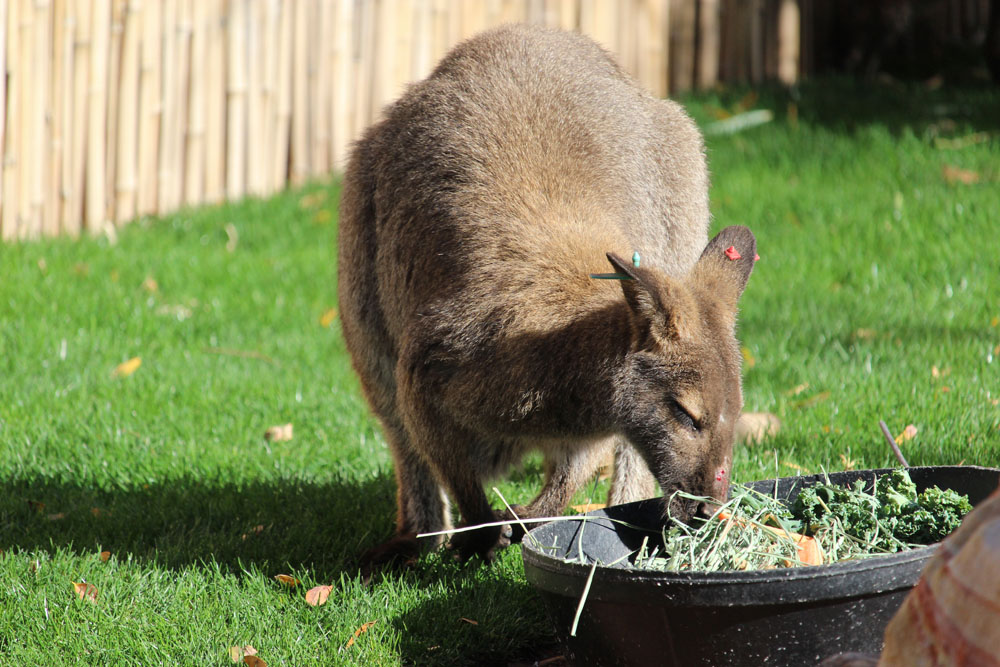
(322, 82)
(150, 109)
(788, 42)
(364, 69)
(128, 115)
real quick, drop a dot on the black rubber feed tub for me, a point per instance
(794, 616)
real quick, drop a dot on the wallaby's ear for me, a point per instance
(725, 265)
(654, 298)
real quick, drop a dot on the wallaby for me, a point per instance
(471, 220)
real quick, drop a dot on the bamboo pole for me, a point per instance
(404, 48)
(170, 131)
(627, 37)
(682, 42)
(788, 42)
(422, 44)
(343, 127)
(150, 108)
(384, 56)
(80, 24)
(57, 108)
(300, 94)
(8, 196)
(363, 66)
(323, 68)
(128, 119)
(194, 151)
(283, 121)
(440, 29)
(708, 43)
(97, 103)
(257, 137)
(215, 104)
(40, 116)
(117, 30)
(515, 11)
(26, 157)
(651, 23)
(605, 26)
(168, 119)
(236, 102)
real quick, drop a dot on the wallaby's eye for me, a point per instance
(685, 418)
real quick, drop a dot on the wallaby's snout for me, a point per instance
(471, 220)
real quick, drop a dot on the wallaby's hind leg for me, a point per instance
(421, 507)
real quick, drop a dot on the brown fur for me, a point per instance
(472, 217)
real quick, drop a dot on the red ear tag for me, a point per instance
(719, 476)
(756, 257)
(732, 253)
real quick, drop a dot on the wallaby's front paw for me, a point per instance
(515, 529)
(401, 551)
(484, 542)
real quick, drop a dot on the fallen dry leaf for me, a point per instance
(98, 512)
(848, 462)
(238, 653)
(748, 357)
(312, 199)
(253, 661)
(256, 530)
(357, 633)
(328, 317)
(908, 434)
(865, 334)
(468, 620)
(316, 597)
(280, 433)
(588, 507)
(85, 591)
(798, 389)
(287, 580)
(953, 175)
(150, 285)
(126, 368)
(812, 400)
(322, 217)
(58, 516)
(795, 466)
(105, 555)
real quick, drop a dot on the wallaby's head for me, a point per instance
(681, 391)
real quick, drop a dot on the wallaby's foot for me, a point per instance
(484, 542)
(399, 552)
(515, 527)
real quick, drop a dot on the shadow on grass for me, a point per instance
(842, 103)
(285, 525)
(503, 619)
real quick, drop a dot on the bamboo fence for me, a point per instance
(114, 109)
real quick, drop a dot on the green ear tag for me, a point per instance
(635, 259)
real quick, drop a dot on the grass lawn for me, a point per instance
(877, 214)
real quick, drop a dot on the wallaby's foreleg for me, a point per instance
(631, 479)
(566, 470)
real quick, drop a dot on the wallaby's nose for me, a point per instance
(706, 510)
